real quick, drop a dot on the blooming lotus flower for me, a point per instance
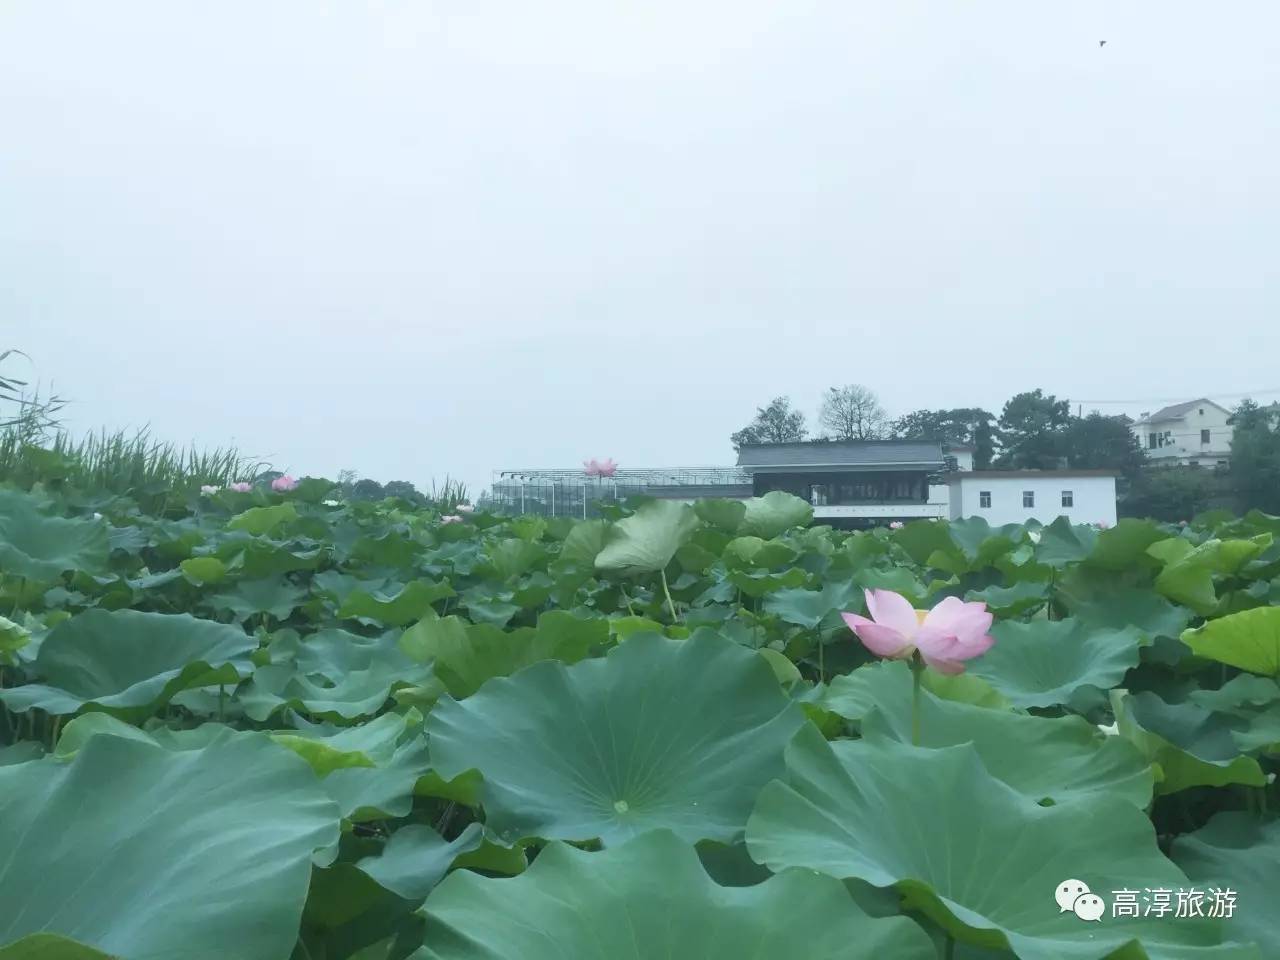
(451, 518)
(240, 486)
(946, 636)
(895, 525)
(464, 508)
(283, 484)
(208, 490)
(607, 467)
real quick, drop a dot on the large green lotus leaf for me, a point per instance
(409, 603)
(466, 655)
(1192, 745)
(1063, 543)
(970, 852)
(959, 546)
(746, 552)
(1013, 600)
(1263, 734)
(333, 652)
(383, 791)
(650, 899)
(50, 946)
(584, 543)
(808, 608)
(337, 586)
(658, 734)
(256, 558)
(416, 858)
(1235, 851)
(259, 520)
(647, 540)
(898, 579)
(1095, 597)
(1188, 571)
(721, 513)
(1249, 640)
(1060, 759)
(512, 557)
(773, 513)
(328, 748)
(1124, 546)
(129, 663)
(357, 693)
(761, 584)
(250, 598)
(1045, 662)
(42, 548)
(201, 854)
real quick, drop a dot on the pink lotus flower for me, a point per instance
(283, 484)
(895, 525)
(946, 636)
(208, 490)
(451, 518)
(240, 486)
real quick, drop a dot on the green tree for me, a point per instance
(1032, 431)
(1172, 493)
(1098, 442)
(776, 423)
(1255, 457)
(852, 412)
(960, 426)
(367, 489)
(402, 489)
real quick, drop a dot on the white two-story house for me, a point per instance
(1195, 433)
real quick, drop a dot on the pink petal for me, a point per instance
(932, 642)
(967, 649)
(945, 614)
(949, 667)
(881, 640)
(893, 610)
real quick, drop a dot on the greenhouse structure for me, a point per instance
(571, 493)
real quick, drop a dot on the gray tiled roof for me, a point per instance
(1173, 411)
(840, 453)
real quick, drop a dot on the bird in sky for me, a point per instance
(1102, 43)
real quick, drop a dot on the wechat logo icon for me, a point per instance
(1073, 896)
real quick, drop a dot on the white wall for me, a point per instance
(964, 459)
(1094, 499)
(1183, 443)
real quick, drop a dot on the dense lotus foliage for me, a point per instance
(269, 724)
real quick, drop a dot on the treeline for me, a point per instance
(1037, 431)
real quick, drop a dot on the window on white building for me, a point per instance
(1202, 411)
(1204, 436)
(1152, 440)
(984, 499)
(1028, 498)
(1068, 498)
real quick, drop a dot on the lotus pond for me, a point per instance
(261, 725)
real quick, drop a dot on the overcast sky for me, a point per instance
(418, 239)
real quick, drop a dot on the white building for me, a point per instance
(1015, 496)
(1195, 433)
